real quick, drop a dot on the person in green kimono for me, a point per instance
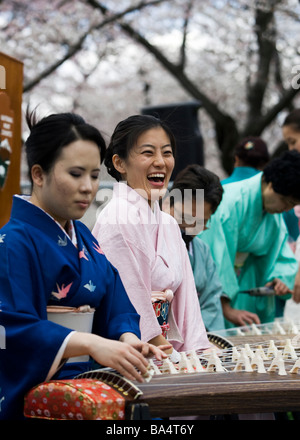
(248, 240)
(250, 157)
(192, 219)
(291, 135)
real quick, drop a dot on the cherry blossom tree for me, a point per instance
(108, 59)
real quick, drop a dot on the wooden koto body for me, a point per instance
(186, 394)
(220, 393)
(230, 387)
(250, 371)
(232, 391)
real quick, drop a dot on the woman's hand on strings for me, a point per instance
(147, 349)
(127, 356)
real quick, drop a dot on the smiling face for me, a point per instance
(149, 164)
(291, 137)
(68, 189)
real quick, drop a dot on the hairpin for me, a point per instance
(249, 145)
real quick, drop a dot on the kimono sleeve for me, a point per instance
(186, 308)
(134, 267)
(208, 286)
(280, 260)
(116, 314)
(32, 342)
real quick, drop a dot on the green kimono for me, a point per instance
(249, 247)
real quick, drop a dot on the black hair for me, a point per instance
(284, 174)
(293, 119)
(253, 152)
(195, 177)
(125, 136)
(52, 133)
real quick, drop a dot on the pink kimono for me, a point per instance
(147, 249)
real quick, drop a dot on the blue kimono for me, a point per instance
(40, 266)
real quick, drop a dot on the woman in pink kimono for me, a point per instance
(144, 243)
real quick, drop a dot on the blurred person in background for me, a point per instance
(250, 157)
(291, 135)
(189, 182)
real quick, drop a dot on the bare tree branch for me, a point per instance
(266, 38)
(265, 32)
(226, 128)
(271, 114)
(141, 5)
(52, 68)
(227, 132)
(75, 48)
(188, 10)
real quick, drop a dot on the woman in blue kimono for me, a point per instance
(48, 258)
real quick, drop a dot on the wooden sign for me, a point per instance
(11, 88)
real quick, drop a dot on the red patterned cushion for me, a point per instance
(74, 399)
